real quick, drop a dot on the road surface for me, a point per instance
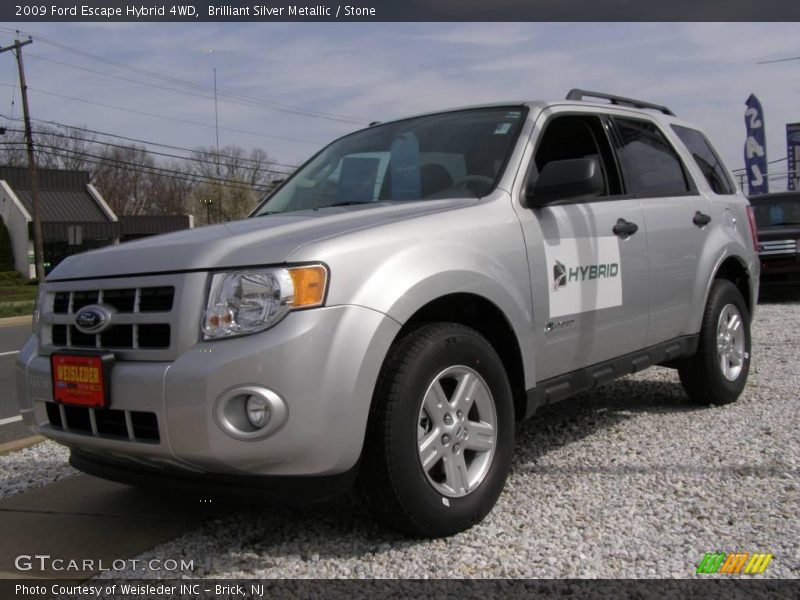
(12, 337)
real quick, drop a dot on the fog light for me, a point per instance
(250, 412)
(257, 411)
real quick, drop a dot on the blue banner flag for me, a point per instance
(755, 148)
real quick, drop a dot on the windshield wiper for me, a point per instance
(784, 223)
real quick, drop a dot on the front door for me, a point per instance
(589, 285)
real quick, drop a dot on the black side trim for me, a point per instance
(562, 387)
(279, 489)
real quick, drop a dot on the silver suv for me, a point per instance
(387, 316)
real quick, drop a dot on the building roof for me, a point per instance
(153, 224)
(63, 194)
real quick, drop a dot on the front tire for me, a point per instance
(717, 373)
(441, 432)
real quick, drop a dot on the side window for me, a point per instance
(651, 166)
(707, 159)
(578, 136)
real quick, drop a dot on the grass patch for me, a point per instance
(17, 293)
(15, 309)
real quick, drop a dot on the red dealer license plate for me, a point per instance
(81, 380)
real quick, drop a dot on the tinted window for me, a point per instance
(774, 211)
(578, 136)
(651, 166)
(705, 157)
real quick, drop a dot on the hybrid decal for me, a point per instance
(584, 275)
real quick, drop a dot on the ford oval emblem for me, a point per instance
(92, 319)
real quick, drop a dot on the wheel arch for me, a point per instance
(485, 317)
(734, 269)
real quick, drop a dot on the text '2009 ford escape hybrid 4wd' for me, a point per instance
(389, 313)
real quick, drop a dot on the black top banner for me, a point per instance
(399, 10)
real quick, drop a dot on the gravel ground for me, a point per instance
(628, 481)
(32, 467)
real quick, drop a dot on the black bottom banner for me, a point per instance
(440, 589)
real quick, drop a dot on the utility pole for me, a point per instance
(38, 250)
(216, 129)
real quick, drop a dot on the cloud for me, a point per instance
(705, 71)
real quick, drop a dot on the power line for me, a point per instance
(158, 116)
(153, 152)
(771, 162)
(777, 60)
(193, 93)
(141, 141)
(196, 86)
(94, 159)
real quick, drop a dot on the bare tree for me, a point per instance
(123, 177)
(170, 193)
(236, 180)
(213, 185)
(12, 151)
(56, 148)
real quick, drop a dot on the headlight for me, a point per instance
(241, 302)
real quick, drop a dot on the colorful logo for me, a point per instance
(734, 563)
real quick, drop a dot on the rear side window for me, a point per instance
(707, 159)
(650, 165)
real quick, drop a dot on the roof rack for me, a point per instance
(576, 94)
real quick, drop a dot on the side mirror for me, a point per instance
(566, 180)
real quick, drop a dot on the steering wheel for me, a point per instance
(475, 184)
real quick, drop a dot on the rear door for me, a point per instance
(678, 219)
(588, 283)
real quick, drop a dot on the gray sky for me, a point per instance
(703, 71)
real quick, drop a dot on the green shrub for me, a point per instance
(15, 309)
(11, 278)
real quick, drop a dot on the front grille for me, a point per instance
(156, 299)
(105, 423)
(126, 302)
(154, 336)
(773, 247)
(121, 300)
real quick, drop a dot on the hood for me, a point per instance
(265, 240)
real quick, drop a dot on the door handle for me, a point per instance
(700, 219)
(625, 228)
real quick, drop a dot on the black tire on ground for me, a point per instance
(703, 375)
(401, 493)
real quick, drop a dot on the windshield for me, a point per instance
(776, 211)
(455, 154)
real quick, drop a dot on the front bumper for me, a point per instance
(323, 362)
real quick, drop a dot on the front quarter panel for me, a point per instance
(398, 268)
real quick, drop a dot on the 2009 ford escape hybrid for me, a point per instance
(389, 313)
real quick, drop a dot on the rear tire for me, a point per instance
(441, 432)
(717, 373)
